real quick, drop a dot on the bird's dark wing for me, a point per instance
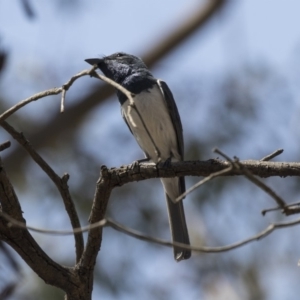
(173, 112)
(176, 211)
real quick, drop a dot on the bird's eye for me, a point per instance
(120, 55)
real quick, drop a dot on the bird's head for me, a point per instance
(119, 66)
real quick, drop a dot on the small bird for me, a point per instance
(156, 126)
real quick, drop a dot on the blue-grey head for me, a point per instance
(120, 66)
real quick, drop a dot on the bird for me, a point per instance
(155, 123)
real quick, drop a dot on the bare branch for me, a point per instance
(136, 234)
(127, 173)
(23, 243)
(54, 91)
(289, 209)
(100, 201)
(61, 184)
(272, 155)
(15, 223)
(256, 237)
(35, 97)
(239, 166)
(263, 212)
(67, 85)
(8, 198)
(218, 151)
(206, 179)
(263, 186)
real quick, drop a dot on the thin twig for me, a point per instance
(258, 236)
(61, 184)
(272, 155)
(15, 223)
(263, 186)
(141, 236)
(218, 151)
(206, 179)
(67, 85)
(264, 211)
(22, 103)
(289, 209)
(239, 166)
(54, 91)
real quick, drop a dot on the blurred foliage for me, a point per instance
(27, 8)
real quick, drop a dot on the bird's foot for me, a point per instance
(167, 162)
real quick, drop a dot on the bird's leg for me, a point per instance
(167, 162)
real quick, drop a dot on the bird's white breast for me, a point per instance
(152, 109)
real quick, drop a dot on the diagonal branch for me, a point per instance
(50, 92)
(272, 155)
(13, 109)
(61, 184)
(244, 171)
(201, 182)
(263, 186)
(23, 243)
(100, 201)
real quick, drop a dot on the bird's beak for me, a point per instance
(93, 61)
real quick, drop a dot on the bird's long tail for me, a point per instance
(177, 220)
